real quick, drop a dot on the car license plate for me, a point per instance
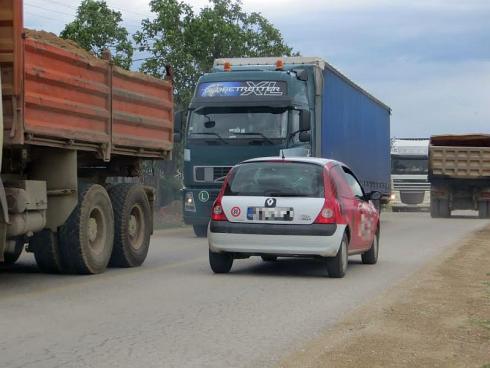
(270, 214)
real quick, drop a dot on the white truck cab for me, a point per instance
(409, 168)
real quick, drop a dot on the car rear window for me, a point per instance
(276, 179)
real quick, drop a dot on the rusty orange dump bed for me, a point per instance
(60, 96)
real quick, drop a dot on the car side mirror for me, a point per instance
(305, 136)
(178, 123)
(374, 196)
(304, 120)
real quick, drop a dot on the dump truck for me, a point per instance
(459, 173)
(292, 106)
(72, 122)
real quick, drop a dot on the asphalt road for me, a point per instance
(173, 312)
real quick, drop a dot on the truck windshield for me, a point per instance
(409, 165)
(239, 122)
(276, 179)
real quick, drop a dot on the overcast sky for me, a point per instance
(429, 60)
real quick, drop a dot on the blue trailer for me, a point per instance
(253, 107)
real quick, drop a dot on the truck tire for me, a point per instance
(220, 262)
(132, 225)
(337, 266)
(484, 209)
(87, 237)
(10, 258)
(371, 256)
(45, 247)
(439, 208)
(201, 231)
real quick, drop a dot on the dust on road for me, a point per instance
(439, 317)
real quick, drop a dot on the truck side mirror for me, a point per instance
(178, 122)
(304, 120)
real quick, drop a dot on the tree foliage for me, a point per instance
(191, 41)
(97, 27)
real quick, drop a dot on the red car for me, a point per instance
(294, 207)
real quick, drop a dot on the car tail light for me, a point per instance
(327, 215)
(217, 212)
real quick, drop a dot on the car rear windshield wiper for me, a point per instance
(267, 139)
(212, 133)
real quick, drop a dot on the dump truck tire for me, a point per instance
(87, 237)
(132, 225)
(201, 231)
(484, 209)
(45, 247)
(10, 258)
(439, 208)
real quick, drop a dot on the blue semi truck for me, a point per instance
(299, 106)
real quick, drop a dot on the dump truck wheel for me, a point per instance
(10, 258)
(439, 208)
(132, 220)
(484, 209)
(46, 250)
(337, 266)
(201, 231)
(87, 237)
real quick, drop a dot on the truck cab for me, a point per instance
(409, 167)
(240, 112)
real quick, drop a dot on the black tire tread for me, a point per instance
(220, 262)
(45, 247)
(201, 231)
(120, 254)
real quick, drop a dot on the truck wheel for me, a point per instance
(371, 256)
(337, 266)
(46, 250)
(484, 209)
(132, 219)
(439, 208)
(87, 237)
(201, 231)
(220, 262)
(10, 258)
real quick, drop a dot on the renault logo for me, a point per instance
(270, 202)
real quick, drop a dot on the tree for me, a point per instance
(97, 27)
(190, 42)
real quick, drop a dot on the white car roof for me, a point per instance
(311, 160)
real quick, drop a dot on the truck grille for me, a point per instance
(411, 185)
(210, 174)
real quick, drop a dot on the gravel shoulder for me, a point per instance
(439, 317)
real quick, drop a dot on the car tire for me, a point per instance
(201, 231)
(337, 266)
(269, 258)
(132, 225)
(45, 247)
(371, 256)
(87, 237)
(9, 258)
(220, 262)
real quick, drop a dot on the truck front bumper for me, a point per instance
(280, 240)
(197, 211)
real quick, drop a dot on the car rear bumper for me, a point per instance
(293, 240)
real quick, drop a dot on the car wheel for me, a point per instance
(371, 256)
(337, 266)
(201, 231)
(269, 258)
(220, 262)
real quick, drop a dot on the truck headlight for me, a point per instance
(189, 204)
(392, 197)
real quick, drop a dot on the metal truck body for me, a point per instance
(459, 172)
(69, 122)
(301, 106)
(410, 186)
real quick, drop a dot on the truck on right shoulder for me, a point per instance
(459, 173)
